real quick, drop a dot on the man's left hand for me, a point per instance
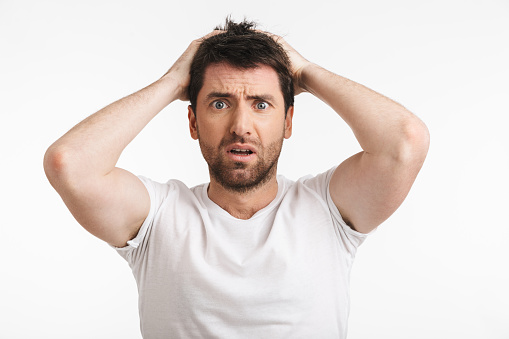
(298, 63)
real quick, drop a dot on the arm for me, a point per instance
(369, 186)
(107, 201)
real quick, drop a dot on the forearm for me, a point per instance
(381, 125)
(93, 147)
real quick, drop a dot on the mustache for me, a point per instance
(236, 139)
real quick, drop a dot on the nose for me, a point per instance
(241, 121)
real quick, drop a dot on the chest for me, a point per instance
(205, 267)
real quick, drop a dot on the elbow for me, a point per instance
(56, 164)
(414, 145)
(53, 160)
(420, 139)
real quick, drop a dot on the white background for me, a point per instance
(438, 268)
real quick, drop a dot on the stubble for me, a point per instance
(241, 177)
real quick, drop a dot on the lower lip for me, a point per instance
(240, 158)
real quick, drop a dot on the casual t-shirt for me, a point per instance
(283, 273)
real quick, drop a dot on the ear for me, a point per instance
(192, 123)
(288, 122)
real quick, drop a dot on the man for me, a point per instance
(250, 254)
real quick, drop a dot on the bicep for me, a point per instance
(112, 207)
(367, 189)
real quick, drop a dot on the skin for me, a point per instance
(241, 108)
(367, 188)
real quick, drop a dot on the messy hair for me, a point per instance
(243, 47)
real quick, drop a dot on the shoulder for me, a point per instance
(311, 189)
(309, 199)
(159, 189)
(313, 184)
(167, 201)
(320, 182)
(173, 194)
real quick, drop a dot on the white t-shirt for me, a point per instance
(284, 273)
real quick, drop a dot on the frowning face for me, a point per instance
(240, 123)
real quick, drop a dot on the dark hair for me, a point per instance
(243, 47)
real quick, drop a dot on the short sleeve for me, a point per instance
(157, 193)
(320, 184)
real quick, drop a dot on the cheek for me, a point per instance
(210, 132)
(273, 129)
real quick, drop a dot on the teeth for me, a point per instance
(241, 151)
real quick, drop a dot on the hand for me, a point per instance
(179, 72)
(297, 61)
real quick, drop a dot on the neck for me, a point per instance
(243, 205)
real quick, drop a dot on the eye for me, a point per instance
(262, 105)
(219, 104)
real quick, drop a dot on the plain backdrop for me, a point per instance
(438, 268)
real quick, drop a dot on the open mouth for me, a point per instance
(238, 151)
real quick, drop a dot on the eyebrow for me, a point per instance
(263, 97)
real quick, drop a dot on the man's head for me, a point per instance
(241, 125)
(243, 47)
(241, 94)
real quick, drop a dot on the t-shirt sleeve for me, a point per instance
(320, 184)
(157, 193)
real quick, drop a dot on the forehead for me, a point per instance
(236, 81)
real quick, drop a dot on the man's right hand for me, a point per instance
(179, 72)
(109, 202)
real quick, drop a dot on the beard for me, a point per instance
(241, 177)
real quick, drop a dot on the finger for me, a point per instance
(275, 37)
(214, 32)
